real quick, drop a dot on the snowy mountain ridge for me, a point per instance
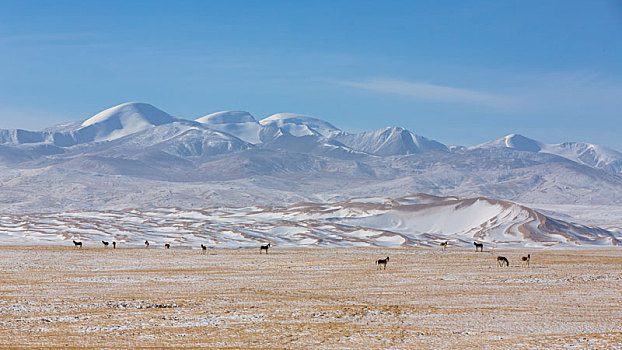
(594, 156)
(133, 117)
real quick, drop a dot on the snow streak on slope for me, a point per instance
(413, 221)
(513, 141)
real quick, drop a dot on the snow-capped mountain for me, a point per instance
(237, 123)
(122, 120)
(389, 141)
(515, 142)
(108, 125)
(594, 156)
(299, 125)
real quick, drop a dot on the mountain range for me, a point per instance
(136, 156)
(239, 130)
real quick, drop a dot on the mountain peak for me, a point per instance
(240, 124)
(227, 117)
(522, 143)
(514, 141)
(131, 111)
(389, 141)
(300, 125)
(125, 119)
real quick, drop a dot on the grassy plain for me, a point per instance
(58, 297)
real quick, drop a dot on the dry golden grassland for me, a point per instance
(55, 297)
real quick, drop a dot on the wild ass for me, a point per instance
(382, 262)
(525, 260)
(204, 249)
(264, 247)
(77, 244)
(502, 260)
(479, 246)
(105, 243)
(444, 245)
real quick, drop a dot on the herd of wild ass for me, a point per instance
(381, 264)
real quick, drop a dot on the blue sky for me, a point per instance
(461, 72)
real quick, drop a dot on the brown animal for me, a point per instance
(167, 246)
(204, 249)
(444, 245)
(146, 244)
(525, 259)
(264, 247)
(502, 260)
(114, 245)
(382, 262)
(105, 243)
(77, 244)
(479, 246)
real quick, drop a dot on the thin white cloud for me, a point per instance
(430, 92)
